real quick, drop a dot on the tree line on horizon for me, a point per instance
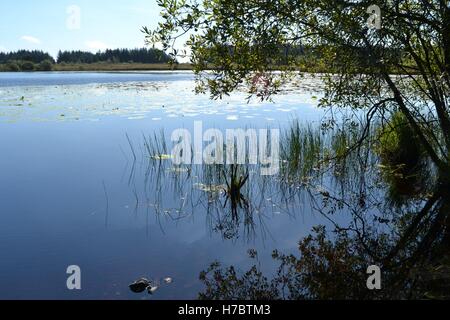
(29, 60)
(141, 55)
(35, 56)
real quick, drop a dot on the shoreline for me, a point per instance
(110, 67)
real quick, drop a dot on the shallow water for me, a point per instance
(71, 192)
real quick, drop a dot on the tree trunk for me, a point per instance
(446, 36)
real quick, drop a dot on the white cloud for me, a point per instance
(31, 39)
(3, 49)
(96, 45)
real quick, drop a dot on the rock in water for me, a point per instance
(140, 285)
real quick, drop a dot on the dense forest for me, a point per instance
(34, 56)
(24, 60)
(142, 55)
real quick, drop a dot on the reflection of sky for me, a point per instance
(53, 203)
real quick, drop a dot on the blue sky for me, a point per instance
(50, 25)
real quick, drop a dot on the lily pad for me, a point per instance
(178, 170)
(162, 157)
(210, 188)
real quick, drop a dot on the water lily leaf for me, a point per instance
(162, 157)
(177, 170)
(210, 188)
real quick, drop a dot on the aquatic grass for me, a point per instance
(156, 146)
(314, 156)
(301, 149)
(398, 144)
(237, 179)
(344, 151)
(236, 198)
(131, 147)
(404, 166)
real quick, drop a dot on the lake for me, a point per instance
(78, 187)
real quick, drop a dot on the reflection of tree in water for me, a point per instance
(404, 231)
(397, 214)
(357, 185)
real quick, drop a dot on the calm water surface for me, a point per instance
(71, 192)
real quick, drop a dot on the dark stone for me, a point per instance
(140, 285)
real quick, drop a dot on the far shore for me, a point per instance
(115, 67)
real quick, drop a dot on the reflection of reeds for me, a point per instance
(131, 147)
(233, 192)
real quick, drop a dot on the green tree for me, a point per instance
(45, 65)
(27, 66)
(397, 74)
(244, 41)
(12, 66)
(143, 55)
(34, 56)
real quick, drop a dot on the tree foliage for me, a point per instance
(34, 56)
(398, 72)
(142, 55)
(243, 42)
